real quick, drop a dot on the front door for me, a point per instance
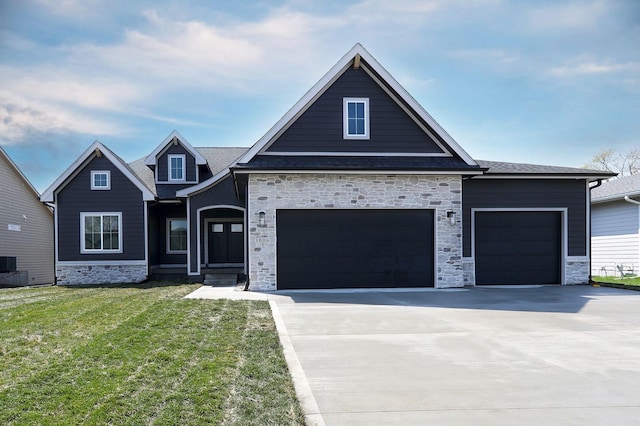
(225, 242)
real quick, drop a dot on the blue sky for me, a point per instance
(547, 82)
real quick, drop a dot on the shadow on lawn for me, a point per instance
(149, 284)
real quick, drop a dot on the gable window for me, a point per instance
(176, 167)
(100, 180)
(355, 123)
(101, 232)
(176, 235)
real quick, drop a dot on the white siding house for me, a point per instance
(615, 227)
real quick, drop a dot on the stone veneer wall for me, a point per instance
(269, 192)
(100, 274)
(576, 272)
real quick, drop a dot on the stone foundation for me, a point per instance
(576, 272)
(100, 274)
(270, 192)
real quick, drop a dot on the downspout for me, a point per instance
(629, 200)
(598, 183)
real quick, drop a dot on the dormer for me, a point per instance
(175, 161)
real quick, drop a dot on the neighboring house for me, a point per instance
(26, 230)
(615, 223)
(355, 186)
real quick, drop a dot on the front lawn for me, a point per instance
(617, 281)
(140, 355)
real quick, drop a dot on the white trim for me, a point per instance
(151, 158)
(146, 236)
(55, 236)
(425, 129)
(93, 180)
(168, 235)
(170, 178)
(488, 175)
(564, 244)
(198, 237)
(332, 75)
(85, 157)
(103, 263)
(588, 219)
(354, 154)
(360, 172)
(84, 250)
(203, 185)
(345, 118)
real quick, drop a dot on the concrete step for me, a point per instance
(221, 279)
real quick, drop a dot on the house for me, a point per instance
(355, 186)
(26, 230)
(615, 239)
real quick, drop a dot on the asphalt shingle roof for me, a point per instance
(497, 167)
(617, 188)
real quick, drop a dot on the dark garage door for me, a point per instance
(354, 248)
(517, 247)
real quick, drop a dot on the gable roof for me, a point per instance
(18, 172)
(119, 163)
(357, 53)
(497, 168)
(615, 189)
(150, 160)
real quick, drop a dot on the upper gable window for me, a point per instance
(355, 123)
(177, 167)
(100, 180)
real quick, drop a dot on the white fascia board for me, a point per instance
(151, 158)
(615, 197)
(203, 185)
(47, 195)
(332, 75)
(359, 172)
(536, 176)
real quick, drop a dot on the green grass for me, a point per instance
(140, 355)
(630, 281)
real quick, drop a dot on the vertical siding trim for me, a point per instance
(198, 236)
(588, 220)
(145, 207)
(189, 224)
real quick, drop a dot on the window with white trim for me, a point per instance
(176, 235)
(355, 123)
(101, 232)
(177, 167)
(100, 180)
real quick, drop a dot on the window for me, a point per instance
(100, 232)
(100, 180)
(356, 118)
(176, 167)
(176, 235)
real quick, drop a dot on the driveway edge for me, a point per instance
(303, 390)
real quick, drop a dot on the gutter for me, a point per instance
(598, 183)
(630, 200)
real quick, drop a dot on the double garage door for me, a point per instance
(354, 248)
(518, 247)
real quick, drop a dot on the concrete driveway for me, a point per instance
(482, 356)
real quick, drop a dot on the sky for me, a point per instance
(544, 82)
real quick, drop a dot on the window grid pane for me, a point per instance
(176, 168)
(101, 232)
(355, 118)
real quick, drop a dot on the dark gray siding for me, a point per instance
(529, 193)
(158, 215)
(78, 197)
(224, 193)
(163, 163)
(320, 127)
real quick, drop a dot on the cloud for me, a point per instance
(568, 16)
(593, 67)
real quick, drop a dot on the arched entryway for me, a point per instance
(222, 237)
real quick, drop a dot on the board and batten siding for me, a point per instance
(319, 128)
(529, 194)
(77, 197)
(32, 244)
(614, 237)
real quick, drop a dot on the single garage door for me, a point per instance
(354, 248)
(518, 247)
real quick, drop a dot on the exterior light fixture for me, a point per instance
(261, 219)
(452, 217)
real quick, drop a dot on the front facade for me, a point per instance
(615, 239)
(356, 186)
(26, 230)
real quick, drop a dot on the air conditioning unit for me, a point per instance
(7, 264)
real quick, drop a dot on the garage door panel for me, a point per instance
(518, 247)
(354, 248)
